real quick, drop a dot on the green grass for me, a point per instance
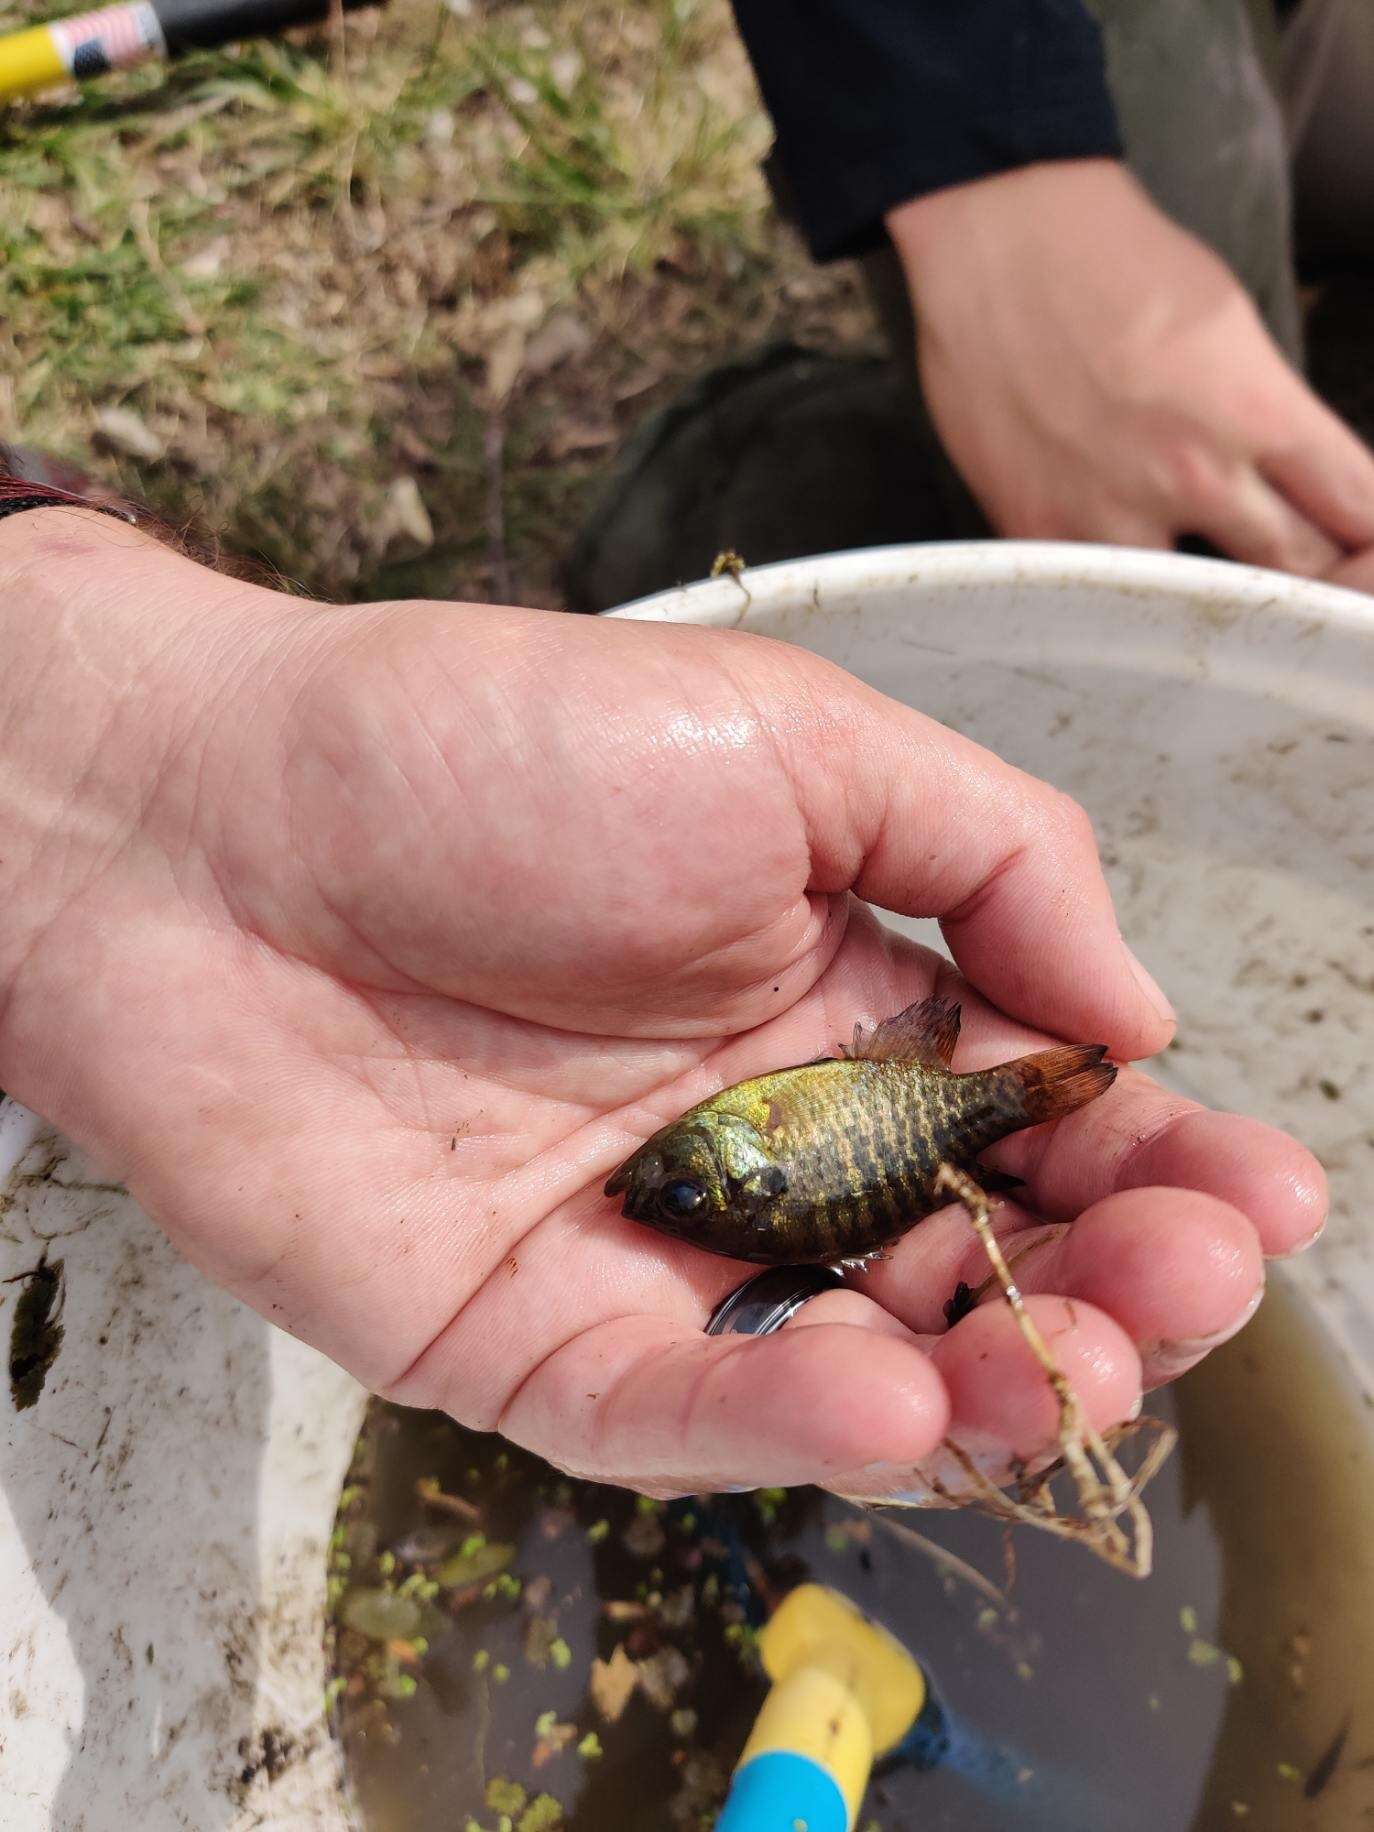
(312, 268)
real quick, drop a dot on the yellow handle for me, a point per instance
(30, 61)
(812, 1713)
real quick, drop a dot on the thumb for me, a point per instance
(919, 820)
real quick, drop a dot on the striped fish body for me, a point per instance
(836, 1159)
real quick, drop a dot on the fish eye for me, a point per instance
(681, 1199)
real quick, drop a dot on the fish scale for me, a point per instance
(835, 1159)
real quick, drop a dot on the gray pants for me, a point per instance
(1327, 85)
(1229, 122)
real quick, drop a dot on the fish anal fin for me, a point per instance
(995, 1182)
(925, 1032)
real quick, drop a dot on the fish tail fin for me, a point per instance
(1055, 1082)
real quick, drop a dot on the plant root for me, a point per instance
(1111, 1519)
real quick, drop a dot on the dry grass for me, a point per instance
(380, 308)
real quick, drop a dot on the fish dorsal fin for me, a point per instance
(925, 1032)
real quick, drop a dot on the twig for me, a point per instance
(1106, 1494)
(948, 1561)
(1105, 1491)
(428, 1491)
(494, 449)
(140, 221)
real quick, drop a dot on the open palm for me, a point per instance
(406, 923)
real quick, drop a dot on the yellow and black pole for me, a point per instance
(117, 37)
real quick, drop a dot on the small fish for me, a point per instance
(835, 1159)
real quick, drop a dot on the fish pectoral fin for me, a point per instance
(760, 1187)
(925, 1032)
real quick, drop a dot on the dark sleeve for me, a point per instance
(878, 101)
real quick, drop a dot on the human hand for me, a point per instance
(365, 942)
(1096, 373)
(1355, 572)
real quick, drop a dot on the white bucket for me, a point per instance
(164, 1506)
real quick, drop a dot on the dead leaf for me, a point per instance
(624, 1611)
(663, 1675)
(540, 1634)
(419, 451)
(407, 514)
(611, 1683)
(563, 337)
(579, 437)
(207, 263)
(125, 431)
(439, 127)
(504, 362)
(644, 1536)
(565, 67)
(678, 1607)
(537, 1592)
(552, 1742)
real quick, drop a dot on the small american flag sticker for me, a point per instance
(114, 39)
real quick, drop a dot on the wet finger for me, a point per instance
(1003, 1411)
(853, 1307)
(643, 1403)
(998, 1394)
(1179, 1271)
(924, 1269)
(1138, 1135)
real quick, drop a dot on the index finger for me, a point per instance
(1323, 468)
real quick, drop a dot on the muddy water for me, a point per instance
(1235, 1689)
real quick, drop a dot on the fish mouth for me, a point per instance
(619, 1181)
(623, 1179)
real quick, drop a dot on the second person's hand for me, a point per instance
(1097, 374)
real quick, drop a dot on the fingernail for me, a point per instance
(1168, 1359)
(1150, 987)
(1301, 1246)
(940, 1480)
(882, 1483)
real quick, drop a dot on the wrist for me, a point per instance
(924, 229)
(109, 652)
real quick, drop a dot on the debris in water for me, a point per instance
(1327, 1764)
(36, 1332)
(611, 1682)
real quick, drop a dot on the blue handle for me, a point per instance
(780, 1792)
